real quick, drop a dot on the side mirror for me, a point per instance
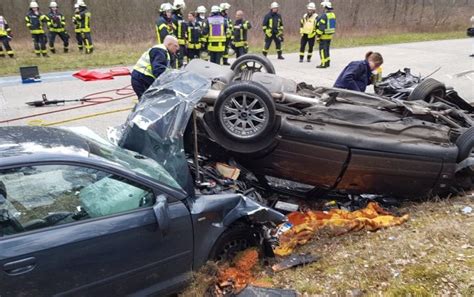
(162, 214)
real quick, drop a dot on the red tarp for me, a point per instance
(87, 75)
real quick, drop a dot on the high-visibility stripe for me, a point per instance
(144, 64)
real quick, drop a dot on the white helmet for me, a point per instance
(311, 6)
(274, 5)
(215, 8)
(82, 4)
(201, 9)
(76, 6)
(224, 6)
(53, 5)
(326, 4)
(34, 4)
(166, 7)
(179, 4)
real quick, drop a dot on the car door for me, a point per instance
(74, 230)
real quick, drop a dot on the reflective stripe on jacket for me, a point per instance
(272, 24)
(4, 28)
(217, 29)
(56, 22)
(83, 21)
(35, 22)
(180, 27)
(164, 27)
(151, 60)
(194, 35)
(239, 37)
(326, 25)
(308, 25)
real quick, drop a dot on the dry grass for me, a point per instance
(432, 254)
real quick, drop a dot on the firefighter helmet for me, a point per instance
(311, 6)
(179, 4)
(34, 4)
(201, 9)
(166, 7)
(274, 5)
(82, 4)
(53, 5)
(326, 4)
(215, 9)
(224, 6)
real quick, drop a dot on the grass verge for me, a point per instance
(109, 54)
(430, 255)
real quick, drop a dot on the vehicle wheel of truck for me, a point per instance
(427, 90)
(465, 144)
(245, 65)
(237, 238)
(245, 111)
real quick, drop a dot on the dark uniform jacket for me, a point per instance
(356, 76)
(239, 36)
(273, 24)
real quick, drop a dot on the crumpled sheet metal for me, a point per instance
(334, 221)
(156, 126)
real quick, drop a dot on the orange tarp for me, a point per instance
(336, 221)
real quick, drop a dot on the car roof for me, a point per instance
(17, 141)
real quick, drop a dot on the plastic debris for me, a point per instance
(466, 210)
(295, 260)
(228, 171)
(335, 222)
(253, 291)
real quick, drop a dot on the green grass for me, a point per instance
(110, 54)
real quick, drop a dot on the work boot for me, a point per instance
(66, 50)
(472, 56)
(308, 59)
(264, 53)
(226, 62)
(2, 55)
(11, 55)
(38, 55)
(53, 50)
(301, 59)
(280, 57)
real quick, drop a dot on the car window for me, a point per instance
(35, 197)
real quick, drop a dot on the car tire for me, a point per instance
(243, 104)
(426, 89)
(252, 62)
(465, 144)
(235, 239)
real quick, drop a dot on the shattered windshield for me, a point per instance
(137, 163)
(156, 126)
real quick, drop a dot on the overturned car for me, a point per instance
(332, 139)
(314, 140)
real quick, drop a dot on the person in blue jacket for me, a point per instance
(152, 64)
(357, 75)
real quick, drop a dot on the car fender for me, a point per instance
(213, 214)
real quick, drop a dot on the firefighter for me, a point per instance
(164, 23)
(153, 63)
(325, 29)
(5, 37)
(180, 27)
(35, 21)
(224, 8)
(359, 74)
(77, 28)
(273, 29)
(308, 31)
(84, 22)
(239, 37)
(202, 21)
(57, 26)
(216, 31)
(193, 34)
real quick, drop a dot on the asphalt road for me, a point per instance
(422, 57)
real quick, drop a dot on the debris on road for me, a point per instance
(295, 260)
(336, 222)
(253, 291)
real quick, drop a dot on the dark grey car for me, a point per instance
(80, 216)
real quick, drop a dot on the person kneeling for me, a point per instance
(357, 75)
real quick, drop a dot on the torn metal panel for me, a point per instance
(156, 126)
